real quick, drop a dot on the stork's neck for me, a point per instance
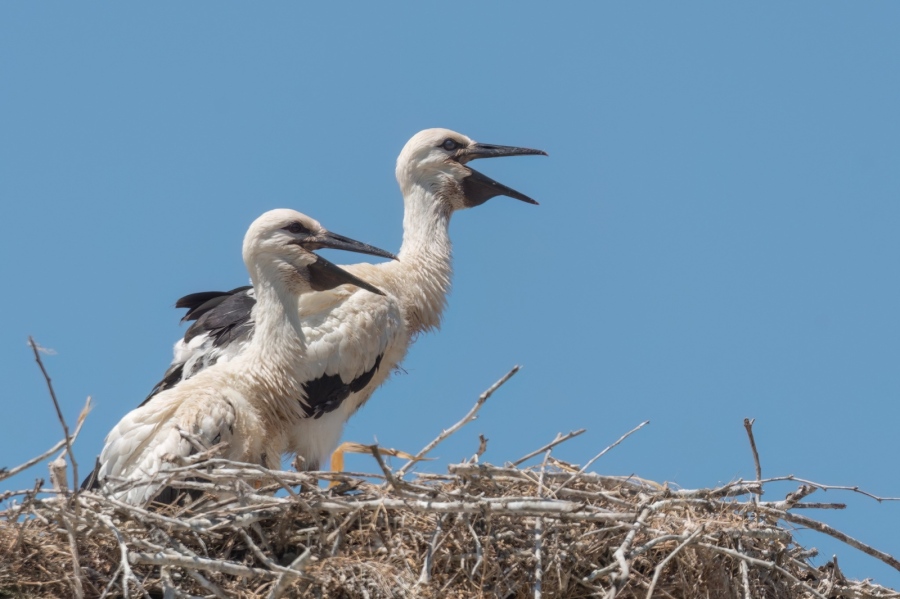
(277, 333)
(425, 258)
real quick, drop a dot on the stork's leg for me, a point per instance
(337, 458)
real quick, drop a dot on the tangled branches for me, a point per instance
(553, 529)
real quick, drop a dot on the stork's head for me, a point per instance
(437, 159)
(281, 243)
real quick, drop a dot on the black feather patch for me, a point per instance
(198, 304)
(226, 320)
(326, 393)
(169, 380)
(223, 315)
(91, 483)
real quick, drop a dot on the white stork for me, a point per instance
(356, 339)
(252, 403)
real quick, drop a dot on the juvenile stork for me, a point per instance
(249, 404)
(356, 339)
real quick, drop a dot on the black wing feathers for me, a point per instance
(198, 304)
(91, 483)
(223, 315)
(170, 379)
(326, 393)
(224, 318)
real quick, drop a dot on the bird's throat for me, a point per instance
(425, 259)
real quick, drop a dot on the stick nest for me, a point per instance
(477, 531)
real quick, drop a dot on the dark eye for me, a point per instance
(449, 144)
(297, 228)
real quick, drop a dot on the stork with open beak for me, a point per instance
(250, 405)
(356, 339)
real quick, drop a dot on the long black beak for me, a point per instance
(334, 241)
(478, 150)
(324, 275)
(479, 188)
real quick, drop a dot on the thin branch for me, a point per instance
(466, 419)
(855, 489)
(818, 506)
(207, 584)
(538, 557)
(260, 555)
(748, 425)
(621, 578)
(73, 548)
(584, 468)
(560, 438)
(425, 575)
(763, 564)
(539, 531)
(824, 528)
(169, 558)
(127, 573)
(668, 558)
(792, 498)
(37, 356)
(112, 581)
(7, 473)
(479, 548)
(745, 574)
(293, 571)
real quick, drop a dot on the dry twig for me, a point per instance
(473, 413)
(748, 425)
(68, 439)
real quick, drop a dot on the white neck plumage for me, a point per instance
(425, 259)
(278, 333)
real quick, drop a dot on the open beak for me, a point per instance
(479, 188)
(324, 275)
(333, 241)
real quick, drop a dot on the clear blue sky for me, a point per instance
(718, 235)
